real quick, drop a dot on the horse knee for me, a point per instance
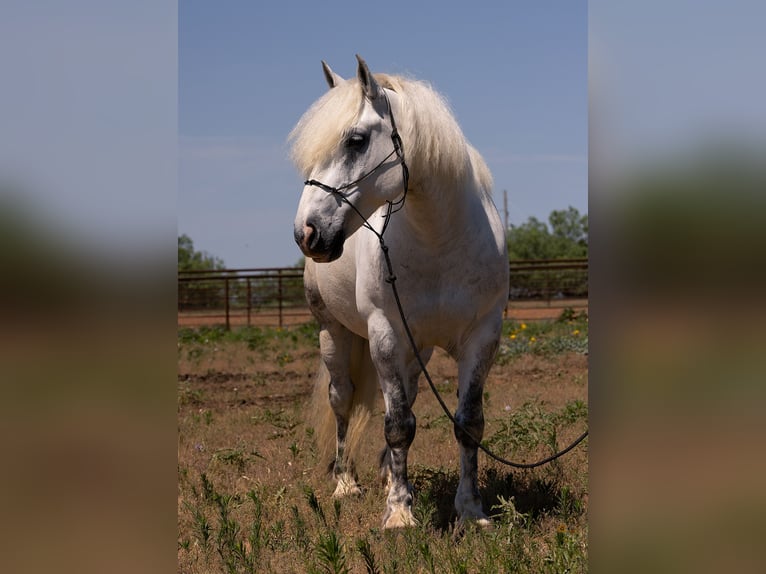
(399, 429)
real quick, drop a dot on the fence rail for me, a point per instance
(269, 296)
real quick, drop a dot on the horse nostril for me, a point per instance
(310, 236)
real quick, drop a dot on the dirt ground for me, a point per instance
(235, 383)
(244, 416)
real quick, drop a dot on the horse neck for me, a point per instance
(436, 213)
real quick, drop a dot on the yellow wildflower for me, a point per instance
(532, 339)
(523, 325)
(576, 332)
(513, 336)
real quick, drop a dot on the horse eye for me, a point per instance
(356, 141)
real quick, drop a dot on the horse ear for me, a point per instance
(332, 78)
(371, 88)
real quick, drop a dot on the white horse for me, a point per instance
(447, 246)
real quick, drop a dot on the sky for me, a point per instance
(666, 76)
(515, 75)
(88, 121)
(127, 123)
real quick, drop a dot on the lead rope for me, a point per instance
(391, 280)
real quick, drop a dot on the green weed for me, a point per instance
(331, 554)
(530, 426)
(189, 396)
(364, 548)
(568, 333)
(254, 337)
(313, 501)
(235, 457)
(233, 533)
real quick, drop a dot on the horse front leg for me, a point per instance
(413, 376)
(399, 430)
(473, 367)
(399, 425)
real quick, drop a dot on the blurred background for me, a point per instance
(88, 149)
(88, 178)
(677, 172)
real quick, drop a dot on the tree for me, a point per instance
(566, 238)
(198, 294)
(190, 260)
(570, 232)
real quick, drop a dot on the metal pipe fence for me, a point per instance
(274, 296)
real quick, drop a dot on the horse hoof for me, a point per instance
(480, 521)
(399, 518)
(469, 509)
(347, 486)
(463, 522)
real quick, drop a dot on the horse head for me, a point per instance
(345, 145)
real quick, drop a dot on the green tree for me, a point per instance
(566, 238)
(190, 260)
(570, 232)
(198, 294)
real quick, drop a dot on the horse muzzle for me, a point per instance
(321, 247)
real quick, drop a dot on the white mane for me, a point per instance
(434, 145)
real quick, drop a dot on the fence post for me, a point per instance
(249, 301)
(226, 299)
(279, 295)
(548, 287)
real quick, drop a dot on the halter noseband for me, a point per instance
(393, 206)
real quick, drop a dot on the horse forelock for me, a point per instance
(319, 132)
(434, 144)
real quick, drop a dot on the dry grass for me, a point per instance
(254, 496)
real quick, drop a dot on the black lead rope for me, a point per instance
(392, 280)
(393, 207)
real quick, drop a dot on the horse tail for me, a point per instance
(365, 379)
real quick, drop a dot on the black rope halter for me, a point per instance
(392, 206)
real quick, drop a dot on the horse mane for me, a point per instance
(434, 144)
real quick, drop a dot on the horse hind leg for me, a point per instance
(337, 390)
(343, 468)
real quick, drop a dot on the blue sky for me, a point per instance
(666, 76)
(514, 73)
(88, 120)
(122, 119)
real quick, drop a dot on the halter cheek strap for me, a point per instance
(393, 206)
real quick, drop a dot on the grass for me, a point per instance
(256, 338)
(569, 333)
(232, 533)
(253, 496)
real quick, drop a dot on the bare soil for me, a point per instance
(236, 384)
